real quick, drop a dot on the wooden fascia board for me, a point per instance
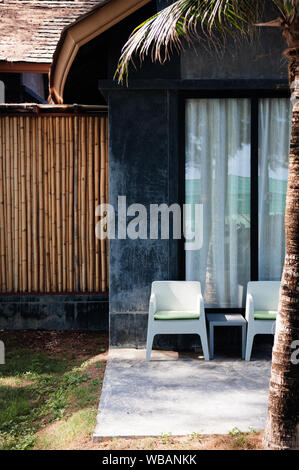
(24, 67)
(81, 32)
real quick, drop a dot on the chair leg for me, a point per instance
(205, 346)
(243, 341)
(149, 345)
(249, 342)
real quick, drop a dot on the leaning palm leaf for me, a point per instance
(186, 20)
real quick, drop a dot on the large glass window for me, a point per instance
(274, 141)
(219, 147)
(218, 177)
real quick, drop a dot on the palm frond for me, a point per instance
(285, 7)
(164, 32)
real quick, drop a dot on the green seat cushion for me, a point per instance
(175, 315)
(265, 315)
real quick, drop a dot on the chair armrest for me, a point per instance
(249, 314)
(152, 306)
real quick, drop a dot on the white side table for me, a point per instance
(226, 319)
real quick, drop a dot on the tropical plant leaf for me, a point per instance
(285, 7)
(187, 20)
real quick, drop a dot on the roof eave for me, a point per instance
(24, 67)
(101, 18)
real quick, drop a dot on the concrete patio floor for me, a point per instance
(181, 394)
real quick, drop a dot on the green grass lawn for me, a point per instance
(49, 392)
(40, 388)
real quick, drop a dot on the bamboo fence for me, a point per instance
(53, 174)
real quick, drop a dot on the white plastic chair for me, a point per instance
(261, 309)
(176, 307)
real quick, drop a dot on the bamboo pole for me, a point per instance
(23, 206)
(63, 174)
(30, 139)
(83, 203)
(18, 146)
(51, 189)
(14, 149)
(66, 179)
(91, 217)
(97, 170)
(47, 200)
(103, 200)
(2, 215)
(87, 222)
(67, 191)
(11, 151)
(58, 203)
(22, 281)
(79, 204)
(9, 205)
(41, 240)
(17, 180)
(2, 208)
(35, 206)
(71, 211)
(28, 157)
(53, 256)
(76, 202)
(5, 197)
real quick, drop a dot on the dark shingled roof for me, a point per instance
(30, 30)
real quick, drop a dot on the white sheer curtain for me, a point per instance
(274, 142)
(218, 176)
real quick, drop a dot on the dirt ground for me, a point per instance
(80, 343)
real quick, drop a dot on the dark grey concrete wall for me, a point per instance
(142, 160)
(261, 59)
(54, 312)
(239, 58)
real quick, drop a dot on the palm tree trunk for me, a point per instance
(282, 429)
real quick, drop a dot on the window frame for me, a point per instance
(254, 96)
